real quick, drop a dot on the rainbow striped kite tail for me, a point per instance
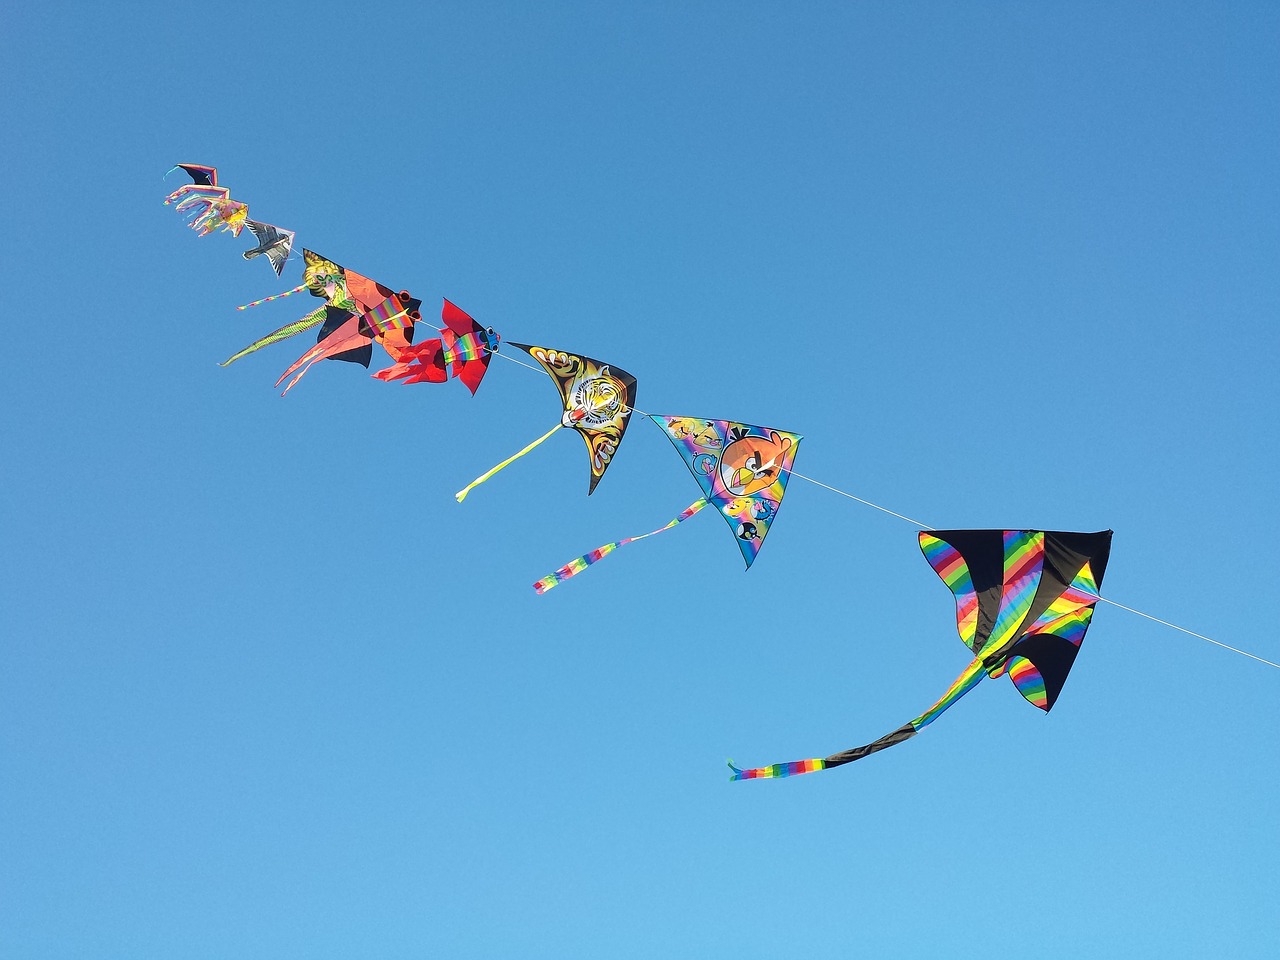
(574, 567)
(778, 770)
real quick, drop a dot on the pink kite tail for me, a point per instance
(276, 296)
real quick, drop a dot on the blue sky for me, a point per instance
(268, 691)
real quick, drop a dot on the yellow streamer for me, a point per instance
(462, 494)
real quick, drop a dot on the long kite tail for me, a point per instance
(967, 680)
(462, 494)
(275, 296)
(574, 567)
(275, 336)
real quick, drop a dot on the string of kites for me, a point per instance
(1024, 598)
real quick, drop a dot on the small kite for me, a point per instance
(462, 350)
(208, 205)
(1024, 599)
(273, 242)
(598, 399)
(743, 469)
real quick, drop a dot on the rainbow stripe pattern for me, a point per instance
(1024, 599)
(576, 566)
(950, 566)
(794, 768)
(388, 315)
(470, 346)
(1023, 561)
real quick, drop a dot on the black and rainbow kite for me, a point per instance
(1024, 599)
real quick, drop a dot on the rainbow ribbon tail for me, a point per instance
(967, 680)
(576, 566)
(777, 770)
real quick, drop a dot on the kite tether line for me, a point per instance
(882, 509)
(925, 526)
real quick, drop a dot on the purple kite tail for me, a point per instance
(574, 567)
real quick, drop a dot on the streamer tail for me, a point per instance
(574, 567)
(275, 296)
(275, 336)
(462, 494)
(967, 680)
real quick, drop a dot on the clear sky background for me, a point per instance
(267, 691)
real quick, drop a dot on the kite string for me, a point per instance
(925, 526)
(1199, 636)
(877, 506)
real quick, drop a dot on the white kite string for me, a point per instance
(1200, 636)
(925, 526)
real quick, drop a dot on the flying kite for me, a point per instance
(379, 316)
(324, 279)
(462, 350)
(273, 242)
(741, 468)
(597, 399)
(1024, 599)
(208, 205)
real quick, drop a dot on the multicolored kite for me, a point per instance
(598, 399)
(379, 316)
(741, 468)
(462, 350)
(1024, 599)
(208, 205)
(324, 279)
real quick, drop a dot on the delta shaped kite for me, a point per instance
(597, 399)
(1024, 599)
(742, 469)
(462, 350)
(207, 205)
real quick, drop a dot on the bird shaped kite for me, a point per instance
(273, 242)
(462, 350)
(1024, 599)
(741, 468)
(597, 401)
(207, 205)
